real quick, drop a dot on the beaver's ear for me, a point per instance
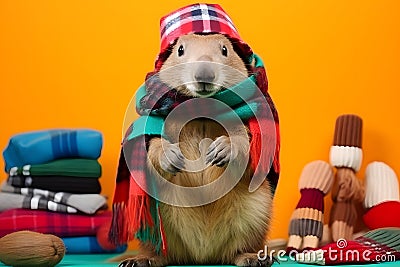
(164, 55)
(244, 52)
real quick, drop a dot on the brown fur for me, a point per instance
(202, 48)
(232, 229)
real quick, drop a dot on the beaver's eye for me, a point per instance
(180, 51)
(224, 51)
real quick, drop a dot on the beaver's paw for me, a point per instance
(132, 262)
(252, 259)
(172, 160)
(220, 152)
(140, 261)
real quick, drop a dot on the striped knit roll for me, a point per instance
(346, 150)
(306, 225)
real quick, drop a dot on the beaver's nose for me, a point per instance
(204, 74)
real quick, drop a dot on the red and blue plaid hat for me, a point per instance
(196, 18)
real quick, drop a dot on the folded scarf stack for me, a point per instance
(53, 187)
(55, 160)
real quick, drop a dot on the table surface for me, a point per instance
(103, 260)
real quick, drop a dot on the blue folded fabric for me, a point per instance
(43, 146)
(87, 245)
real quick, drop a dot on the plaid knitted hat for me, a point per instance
(346, 149)
(197, 18)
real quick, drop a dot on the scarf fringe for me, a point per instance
(130, 219)
(139, 214)
(138, 220)
(118, 233)
(154, 233)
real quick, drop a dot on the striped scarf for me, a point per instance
(135, 213)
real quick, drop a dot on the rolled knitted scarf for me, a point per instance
(135, 213)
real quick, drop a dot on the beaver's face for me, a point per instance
(200, 65)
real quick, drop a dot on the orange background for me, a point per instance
(78, 63)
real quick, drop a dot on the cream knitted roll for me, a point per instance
(347, 142)
(381, 184)
(346, 156)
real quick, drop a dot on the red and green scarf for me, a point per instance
(135, 213)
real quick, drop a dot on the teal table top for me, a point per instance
(104, 260)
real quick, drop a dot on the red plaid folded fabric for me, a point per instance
(62, 225)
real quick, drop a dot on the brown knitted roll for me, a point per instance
(347, 142)
(342, 220)
(347, 187)
(348, 131)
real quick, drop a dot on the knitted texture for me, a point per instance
(56, 223)
(306, 224)
(381, 184)
(347, 190)
(347, 142)
(196, 18)
(86, 203)
(77, 185)
(317, 174)
(373, 247)
(65, 167)
(15, 201)
(348, 131)
(386, 214)
(44, 146)
(382, 198)
(342, 220)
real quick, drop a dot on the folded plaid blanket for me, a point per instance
(64, 167)
(59, 224)
(77, 185)
(86, 203)
(43, 146)
(15, 201)
(87, 245)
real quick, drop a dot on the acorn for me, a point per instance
(26, 248)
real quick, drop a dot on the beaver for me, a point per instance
(205, 170)
(232, 229)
